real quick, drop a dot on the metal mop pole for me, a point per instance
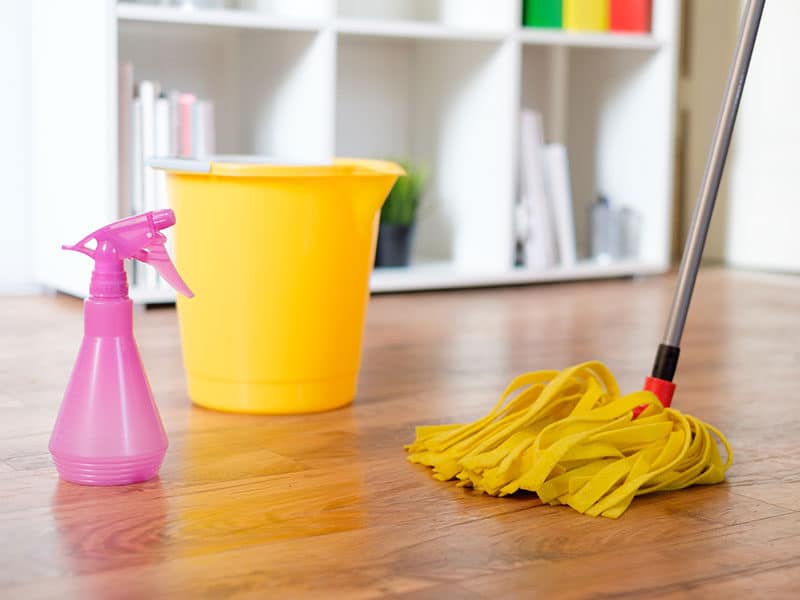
(667, 357)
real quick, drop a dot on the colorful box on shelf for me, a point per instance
(586, 15)
(631, 15)
(542, 13)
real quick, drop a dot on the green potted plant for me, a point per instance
(398, 216)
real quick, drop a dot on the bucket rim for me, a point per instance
(260, 166)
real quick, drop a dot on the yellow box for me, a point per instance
(586, 15)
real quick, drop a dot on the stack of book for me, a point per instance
(545, 225)
(155, 121)
(589, 15)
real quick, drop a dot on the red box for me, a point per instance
(630, 15)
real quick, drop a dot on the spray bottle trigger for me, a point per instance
(156, 255)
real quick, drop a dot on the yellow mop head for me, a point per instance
(571, 438)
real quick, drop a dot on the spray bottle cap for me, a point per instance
(136, 237)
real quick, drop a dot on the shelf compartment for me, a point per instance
(426, 101)
(599, 105)
(619, 148)
(272, 91)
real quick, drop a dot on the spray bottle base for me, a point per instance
(118, 471)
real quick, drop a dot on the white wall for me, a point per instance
(709, 45)
(16, 264)
(764, 213)
(758, 209)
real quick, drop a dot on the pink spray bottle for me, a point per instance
(108, 430)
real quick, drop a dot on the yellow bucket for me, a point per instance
(279, 258)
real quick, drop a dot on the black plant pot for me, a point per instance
(394, 245)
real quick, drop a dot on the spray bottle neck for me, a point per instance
(109, 280)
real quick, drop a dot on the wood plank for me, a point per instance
(326, 505)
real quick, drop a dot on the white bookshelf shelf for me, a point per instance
(574, 39)
(438, 82)
(443, 276)
(413, 30)
(394, 28)
(240, 19)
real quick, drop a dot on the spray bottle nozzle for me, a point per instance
(136, 237)
(162, 219)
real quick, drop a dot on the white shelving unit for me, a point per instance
(439, 81)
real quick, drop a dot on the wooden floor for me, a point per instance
(327, 506)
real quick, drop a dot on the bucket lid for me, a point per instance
(264, 166)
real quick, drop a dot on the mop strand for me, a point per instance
(571, 438)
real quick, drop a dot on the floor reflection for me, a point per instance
(259, 479)
(105, 528)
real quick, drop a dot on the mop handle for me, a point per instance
(667, 358)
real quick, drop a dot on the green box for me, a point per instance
(542, 13)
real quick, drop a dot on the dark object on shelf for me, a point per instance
(631, 15)
(394, 245)
(614, 231)
(398, 216)
(542, 13)
(519, 253)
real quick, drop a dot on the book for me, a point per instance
(125, 92)
(148, 91)
(630, 15)
(203, 128)
(147, 98)
(136, 166)
(586, 15)
(125, 140)
(560, 194)
(542, 13)
(174, 122)
(540, 245)
(162, 135)
(137, 202)
(185, 134)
